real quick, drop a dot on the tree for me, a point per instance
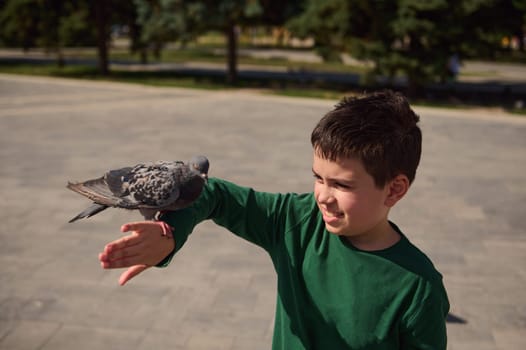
(413, 38)
(163, 22)
(278, 12)
(327, 22)
(19, 23)
(520, 6)
(184, 20)
(102, 25)
(105, 15)
(55, 24)
(50, 24)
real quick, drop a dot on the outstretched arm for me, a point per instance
(145, 246)
(254, 216)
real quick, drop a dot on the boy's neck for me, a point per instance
(381, 238)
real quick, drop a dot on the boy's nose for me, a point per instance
(325, 195)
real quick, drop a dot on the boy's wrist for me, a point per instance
(166, 261)
(167, 231)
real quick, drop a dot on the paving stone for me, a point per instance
(87, 338)
(28, 335)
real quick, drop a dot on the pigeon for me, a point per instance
(151, 188)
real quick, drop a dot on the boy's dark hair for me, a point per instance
(380, 129)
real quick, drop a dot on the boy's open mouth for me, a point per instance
(330, 217)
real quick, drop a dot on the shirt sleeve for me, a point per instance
(254, 216)
(426, 328)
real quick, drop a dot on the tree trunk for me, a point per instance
(231, 75)
(101, 21)
(144, 55)
(61, 62)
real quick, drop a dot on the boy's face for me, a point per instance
(351, 204)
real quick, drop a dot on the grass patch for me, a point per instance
(161, 79)
(47, 70)
(203, 54)
(217, 81)
(310, 93)
(518, 111)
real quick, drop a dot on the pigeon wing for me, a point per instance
(155, 185)
(97, 190)
(110, 190)
(117, 181)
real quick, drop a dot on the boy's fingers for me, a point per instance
(131, 226)
(132, 250)
(137, 226)
(123, 252)
(130, 273)
(119, 254)
(117, 263)
(127, 241)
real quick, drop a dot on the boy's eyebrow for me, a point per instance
(315, 173)
(346, 181)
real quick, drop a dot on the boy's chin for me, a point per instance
(335, 230)
(342, 231)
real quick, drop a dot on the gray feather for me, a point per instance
(149, 188)
(89, 211)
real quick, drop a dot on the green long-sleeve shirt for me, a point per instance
(330, 294)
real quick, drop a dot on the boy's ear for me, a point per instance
(396, 189)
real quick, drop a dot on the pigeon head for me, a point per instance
(201, 164)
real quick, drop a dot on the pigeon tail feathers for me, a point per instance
(95, 208)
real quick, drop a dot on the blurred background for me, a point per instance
(439, 52)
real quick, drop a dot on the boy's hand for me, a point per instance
(145, 246)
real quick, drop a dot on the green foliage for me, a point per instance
(410, 37)
(51, 24)
(183, 20)
(413, 38)
(74, 29)
(326, 22)
(19, 23)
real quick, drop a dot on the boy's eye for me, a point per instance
(343, 186)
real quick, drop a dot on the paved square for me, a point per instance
(466, 210)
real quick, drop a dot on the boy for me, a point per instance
(348, 278)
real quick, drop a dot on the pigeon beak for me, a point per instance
(205, 177)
